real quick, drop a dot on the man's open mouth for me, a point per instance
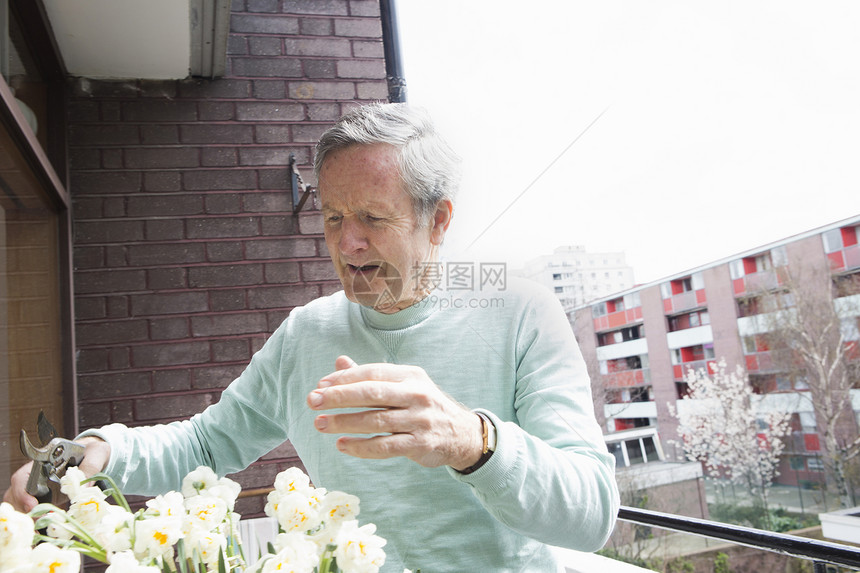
(363, 269)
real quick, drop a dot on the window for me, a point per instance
(815, 464)
(797, 463)
(556, 276)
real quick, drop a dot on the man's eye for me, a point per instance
(333, 218)
(373, 219)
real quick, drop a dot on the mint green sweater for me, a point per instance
(510, 353)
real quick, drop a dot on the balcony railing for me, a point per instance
(821, 553)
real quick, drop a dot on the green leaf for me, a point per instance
(222, 565)
(180, 554)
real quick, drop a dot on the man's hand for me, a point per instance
(414, 417)
(96, 457)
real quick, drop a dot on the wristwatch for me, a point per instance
(488, 433)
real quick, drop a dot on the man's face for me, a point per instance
(374, 238)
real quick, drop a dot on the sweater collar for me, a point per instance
(409, 316)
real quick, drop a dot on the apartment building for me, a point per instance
(641, 342)
(577, 276)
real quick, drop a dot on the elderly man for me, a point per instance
(466, 428)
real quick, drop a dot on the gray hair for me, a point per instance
(429, 168)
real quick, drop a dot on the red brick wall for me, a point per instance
(187, 254)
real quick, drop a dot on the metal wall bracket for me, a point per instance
(300, 190)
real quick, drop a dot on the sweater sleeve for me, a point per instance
(229, 435)
(551, 477)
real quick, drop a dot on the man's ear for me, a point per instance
(441, 220)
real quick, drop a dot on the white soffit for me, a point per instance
(120, 39)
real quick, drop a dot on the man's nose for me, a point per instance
(353, 237)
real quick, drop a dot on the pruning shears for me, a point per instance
(49, 461)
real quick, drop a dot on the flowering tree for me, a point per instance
(722, 427)
(814, 339)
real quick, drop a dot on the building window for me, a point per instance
(815, 464)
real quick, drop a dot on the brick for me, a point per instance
(316, 27)
(96, 386)
(102, 182)
(168, 328)
(88, 308)
(162, 181)
(224, 251)
(119, 358)
(264, 156)
(171, 407)
(372, 91)
(110, 111)
(166, 254)
(116, 332)
(270, 89)
(320, 69)
(171, 380)
(269, 202)
(117, 307)
(222, 227)
(108, 231)
(114, 207)
(167, 278)
(265, 46)
(310, 224)
(228, 324)
(333, 7)
(328, 112)
(90, 360)
(93, 414)
(218, 157)
(225, 276)
(310, 133)
(79, 111)
(112, 159)
(146, 110)
(84, 158)
(361, 28)
(266, 111)
(164, 229)
(171, 354)
(281, 296)
(267, 67)
(277, 25)
(361, 69)
(216, 111)
(223, 203)
(368, 49)
(220, 179)
(165, 205)
(237, 46)
(85, 87)
(272, 133)
(280, 273)
(278, 226)
(162, 157)
(279, 249)
(218, 376)
(157, 88)
(226, 300)
(368, 8)
(120, 134)
(271, 6)
(221, 88)
(275, 180)
(325, 47)
(322, 90)
(122, 411)
(89, 257)
(159, 134)
(318, 271)
(169, 303)
(212, 133)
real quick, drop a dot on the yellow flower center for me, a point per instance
(54, 566)
(160, 537)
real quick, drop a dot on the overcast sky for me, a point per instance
(704, 128)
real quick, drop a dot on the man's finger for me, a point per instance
(364, 372)
(344, 362)
(386, 421)
(377, 447)
(360, 394)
